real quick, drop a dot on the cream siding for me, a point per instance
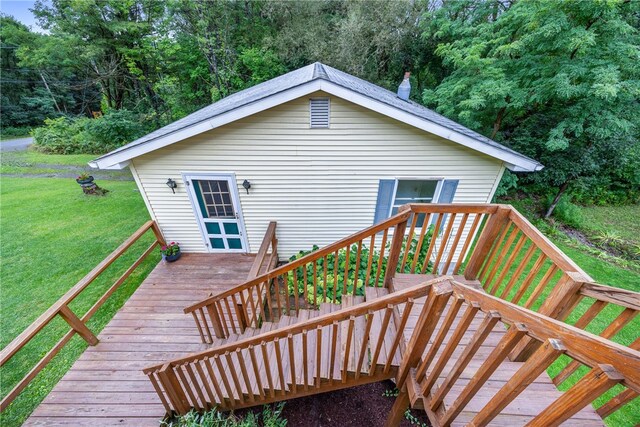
(318, 184)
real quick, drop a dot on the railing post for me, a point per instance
(558, 305)
(491, 230)
(156, 231)
(174, 390)
(437, 298)
(77, 324)
(396, 247)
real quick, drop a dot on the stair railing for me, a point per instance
(318, 354)
(321, 276)
(605, 364)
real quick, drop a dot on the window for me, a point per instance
(319, 112)
(217, 198)
(415, 191)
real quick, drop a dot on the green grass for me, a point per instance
(52, 235)
(623, 220)
(35, 157)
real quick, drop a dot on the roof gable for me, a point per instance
(302, 82)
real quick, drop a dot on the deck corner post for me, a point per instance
(394, 252)
(158, 233)
(558, 305)
(491, 230)
(175, 393)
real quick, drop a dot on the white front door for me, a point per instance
(215, 201)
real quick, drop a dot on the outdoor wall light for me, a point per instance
(172, 185)
(247, 185)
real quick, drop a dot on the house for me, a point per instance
(320, 151)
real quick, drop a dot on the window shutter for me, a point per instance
(449, 187)
(319, 112)
(385, 199)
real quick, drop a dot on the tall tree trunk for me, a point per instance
(46, 85)
(556, 199)
(498, 122)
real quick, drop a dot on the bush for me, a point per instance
(271, 417)
(567, 213)
(82, 135)
(14, 131)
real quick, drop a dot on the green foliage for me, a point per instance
(568, 213)
(348, 266)
(270, 417)
(82, 135)
(556, 80)
(508, 184)
(13, 132)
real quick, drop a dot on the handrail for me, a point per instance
(306, 355)
(609, 364)
(269, 241)
(367, 232)
(61, 307)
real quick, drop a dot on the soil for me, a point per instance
(364, 405)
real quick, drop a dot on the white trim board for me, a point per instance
(118, 159)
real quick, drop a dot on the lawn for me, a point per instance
(623, 220)
(52, 235)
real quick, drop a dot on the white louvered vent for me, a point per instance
(319, 112)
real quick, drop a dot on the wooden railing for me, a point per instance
(61, 308)
(321, 276)
(244, 307)
(352, 346)
(606, 363)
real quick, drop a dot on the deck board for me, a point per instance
(106, 386)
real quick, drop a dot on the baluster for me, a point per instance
(276, 281)
(365, 341)
(207, 387)
(315, 283)
(508, 342)
(292, 364)
(499, 260)
(156, 387)
(399, 333)
(266, 366)
(616, 402)
(381, 259)
(495, 244)
(372, 248)
(528, 372)
(294, 274)
(324, 277)
(455, 243)
(268, 284)
(196, 386)
(407, 246)
(347, 263)
(233, 323)
(234, 375)
(355, 275)
(535, 269)
(256, 371)
(443, 243)
(347, 349)
(423, 232)
(334, 344)
(213, 378)
(306, 284)
(380, 339)
(589, 388)
(516, 275)
(467, 242)
(318, 355)
(305, 362)
(432, 243)
(335, 277)
(283, 384)
(222, 374)
(507, 265)
(187, 387)
(243, 371)
(195, 318)
(469, 351)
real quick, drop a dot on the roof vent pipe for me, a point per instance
(405, 87)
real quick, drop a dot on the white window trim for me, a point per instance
(436, 194)
(235, 194)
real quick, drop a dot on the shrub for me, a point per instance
(14, 131)
(81, 135)
(359, 283)
(567, 213)
(271, 417)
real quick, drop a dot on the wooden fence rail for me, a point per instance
(61, 308)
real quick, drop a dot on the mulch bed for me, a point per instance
(352, 407)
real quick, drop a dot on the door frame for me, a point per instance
(187, 178)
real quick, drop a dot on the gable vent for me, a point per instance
(319, 112)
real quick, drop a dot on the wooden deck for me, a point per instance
(536, 397)
(106, 386)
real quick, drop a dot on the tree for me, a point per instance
(557, 80)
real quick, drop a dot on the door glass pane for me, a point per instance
(234, 243)
(231, 228)
(213, 227)
(217, 243)
(216, 198)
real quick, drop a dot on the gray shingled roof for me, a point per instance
(305, 75)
